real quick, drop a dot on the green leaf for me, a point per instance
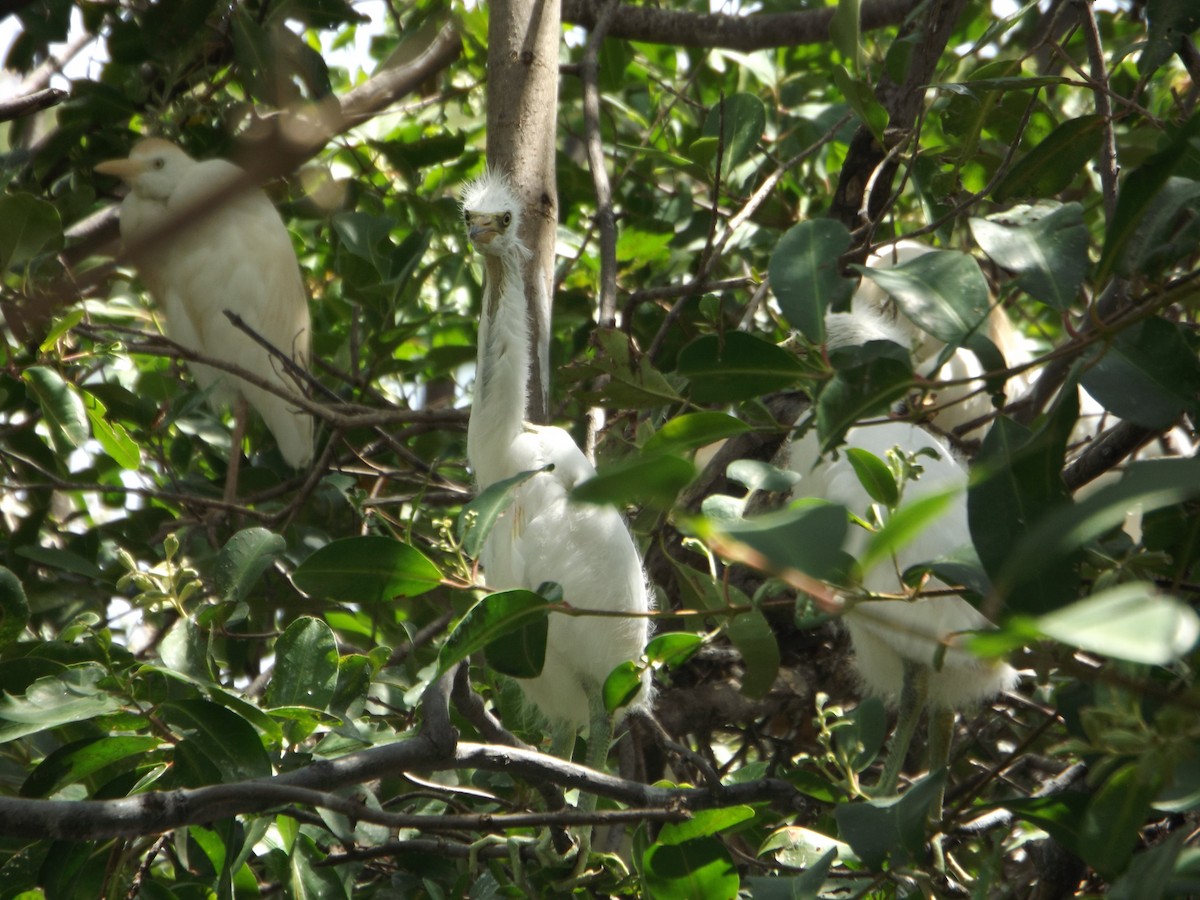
(74, 695)
(621, 685)
(905, 524)
(184, 650)
(807, 536)
(306, 665)
(874, 475)
(1170, 23)
(673, 648)
(736, 366)
(1059, 815)
(1109, 829)
(1140, 194)
(843, 31)
(1054, 162)
(691, 870)
(520, 653)
(645, 480)
(1148, 876)
(704, 823)
(479, 516)
(243, 560)
(1046, 248)
(28, 225)
(219, 737)
(869, 379)
(806, 276)
(942, 291)
(14, 608)
(861, 736)
(1132, 621)
(693, 430)
(492, 617)
(861, 99)
(61, 407)
(113, 438)
(891, 828)
(797, 887)
(1148, 375)
(740, 118)
(79, 760)
(752, 635)
(368, 569)
(1020, 485)
(62, 559)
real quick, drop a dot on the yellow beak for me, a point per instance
(482, 228)
(126, 169)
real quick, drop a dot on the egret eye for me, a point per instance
(159, 163)
(507, 220)
(467, 216)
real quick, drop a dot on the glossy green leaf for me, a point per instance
(740, 118)
(1170, 23)
(1132, 621)
(673, 648)
(79, 760)
(306, 665)
(806, 536)
(368, 569)
(1019, 485)
(1149, 874)
(219, 737)
(75, 695)
(693, 430)
(621, 686)
(521, 652)
(704, 823)
(843, 31)
(28, 226)
(868, 381)
(861, 98)
(891, 828)
(61, 407)
(184, 649)
(690, 870)
(1148, 375)
(874, 475)
(1140, 193)
(943, 292)
(1167, 234)
(1109, 830)
(1055, 162)
(905, 524)
(736, 366)
(752, 635)
(1046, 247)
(14, 607)
(806, 276)
(479, 516)
(65, 560)
(244, 559)
(112, 436)
(491, 618)
(1059, 815)
(645, 480)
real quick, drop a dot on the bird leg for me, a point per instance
(240, 413)
(941, 733)
(914, 688)
(599, 741)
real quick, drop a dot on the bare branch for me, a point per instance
(28, 104)
(655, 25)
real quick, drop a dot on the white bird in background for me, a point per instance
(238, 257)
(873, 317)
(905, 650)
(544, 536)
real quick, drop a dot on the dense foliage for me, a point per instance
(208, 662)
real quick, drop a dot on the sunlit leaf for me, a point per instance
(368, 569)
(479, 517)
(693, 430)
(61, 407)
(493, 617)
(806, 277)
(1048, 254)
(699, 868)
(648, 480)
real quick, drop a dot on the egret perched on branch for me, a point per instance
(239, 258)
(544, 536)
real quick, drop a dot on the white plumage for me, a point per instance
(239, 258)
(544, 536)
(887, 632)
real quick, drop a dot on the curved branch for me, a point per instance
(653, 25)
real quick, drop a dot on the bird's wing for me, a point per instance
(240, 258)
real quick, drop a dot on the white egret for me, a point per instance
(544, 536)
(873, 317)
(237, 258)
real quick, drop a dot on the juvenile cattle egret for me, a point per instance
(236, 258)
(906, 650)
(544, 536)
(873, 318)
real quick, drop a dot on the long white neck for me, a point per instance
(501, 372)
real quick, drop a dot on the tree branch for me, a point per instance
(655, 25)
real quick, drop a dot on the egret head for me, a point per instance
(492, 215)
(153, 168)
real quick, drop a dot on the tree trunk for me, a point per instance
(523, 42)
